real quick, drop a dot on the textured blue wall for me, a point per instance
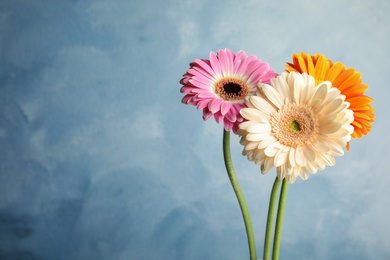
(100, 160)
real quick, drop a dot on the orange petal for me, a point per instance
(321, 68)
(359, 100)
(334, 71)
(362, 115)
(356, 134)
(310, 65)
(290, 67)
(342, 77)
(368, 113)
(300, 62)
(355, 90)
(354, 79)
(356, 124)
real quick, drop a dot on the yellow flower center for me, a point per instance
(294, 125)
(231, 89)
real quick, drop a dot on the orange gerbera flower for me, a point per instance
(347, 80)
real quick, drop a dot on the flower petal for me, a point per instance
(272, 95)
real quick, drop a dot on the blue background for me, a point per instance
(100, 160)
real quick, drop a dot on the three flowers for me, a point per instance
(297, 121)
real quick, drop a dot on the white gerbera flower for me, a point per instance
(295, 126)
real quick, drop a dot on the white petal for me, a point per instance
(335, 148)
(304, 174)
(329, 128)
(267, 165)
(340, 133)
(262, 105)
(291, 157)
(256, 137)
(299, 157)
(280, 157)
(333, 107)
(310, 168)
(309, 153)
(245, 125)
(266, 142)
(319, 94)
(326, 119)
(302, 91)
(281, 172)
(333, 93)
(309, 80)
(272, 95)
(259, 128)
(251, 146)
(282, 87)
(272, 149)
(320, 145)
(328, 159)
(251, 114)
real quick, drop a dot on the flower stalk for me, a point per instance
(270, 219)
(240, 196)
(279, 220)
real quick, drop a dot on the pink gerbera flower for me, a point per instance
(219, 86)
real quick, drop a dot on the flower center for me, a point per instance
(231, 89)
(294, 125)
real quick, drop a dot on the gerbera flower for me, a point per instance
(296, 126)
(348, 81)
(218, 86)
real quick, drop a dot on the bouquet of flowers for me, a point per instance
(296, 121)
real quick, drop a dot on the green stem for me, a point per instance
(279, 220)
(240, 196)
(270, 219)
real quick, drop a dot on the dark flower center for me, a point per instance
(231, 89)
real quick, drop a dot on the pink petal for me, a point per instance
(242, 66)
(268, 76)
(259, 73)
(202, 104)
(199, 72)
(205, 64)
(206, 94)
(235, 128)
(206, 114)
(240, 56)
(227, 124)
(185, 80)
(199, 84)
(215, 65)
(196, 90)
(226, 60)
(237, 109)
(186, 89)
(231, 115)
(252, 66)
(186, 99)
(218, 117)
(225, 107)
(239, 118)
(202, 82)
(215, 105)
(192, 102)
